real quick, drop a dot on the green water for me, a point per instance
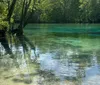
(51, 54)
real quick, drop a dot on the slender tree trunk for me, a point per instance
(11, 9)
(24, 18)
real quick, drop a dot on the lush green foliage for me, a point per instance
(3, 14)
(52, 11)
(67, 11)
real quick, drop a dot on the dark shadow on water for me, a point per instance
(26, 81)
(47, 76)
(8, 77)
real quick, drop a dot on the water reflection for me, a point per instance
(5, 44)
(50, 61)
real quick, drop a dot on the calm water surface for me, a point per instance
(52, 55)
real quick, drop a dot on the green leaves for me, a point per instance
(59, 11)
(3, 14)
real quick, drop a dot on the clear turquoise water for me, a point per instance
(52, 54)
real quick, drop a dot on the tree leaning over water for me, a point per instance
(9, 9)
(23, 12)
(21, 8)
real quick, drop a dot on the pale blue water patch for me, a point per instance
(92, 74)
(47, 63)
(61, 68)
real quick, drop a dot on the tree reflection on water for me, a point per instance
(59, 64)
